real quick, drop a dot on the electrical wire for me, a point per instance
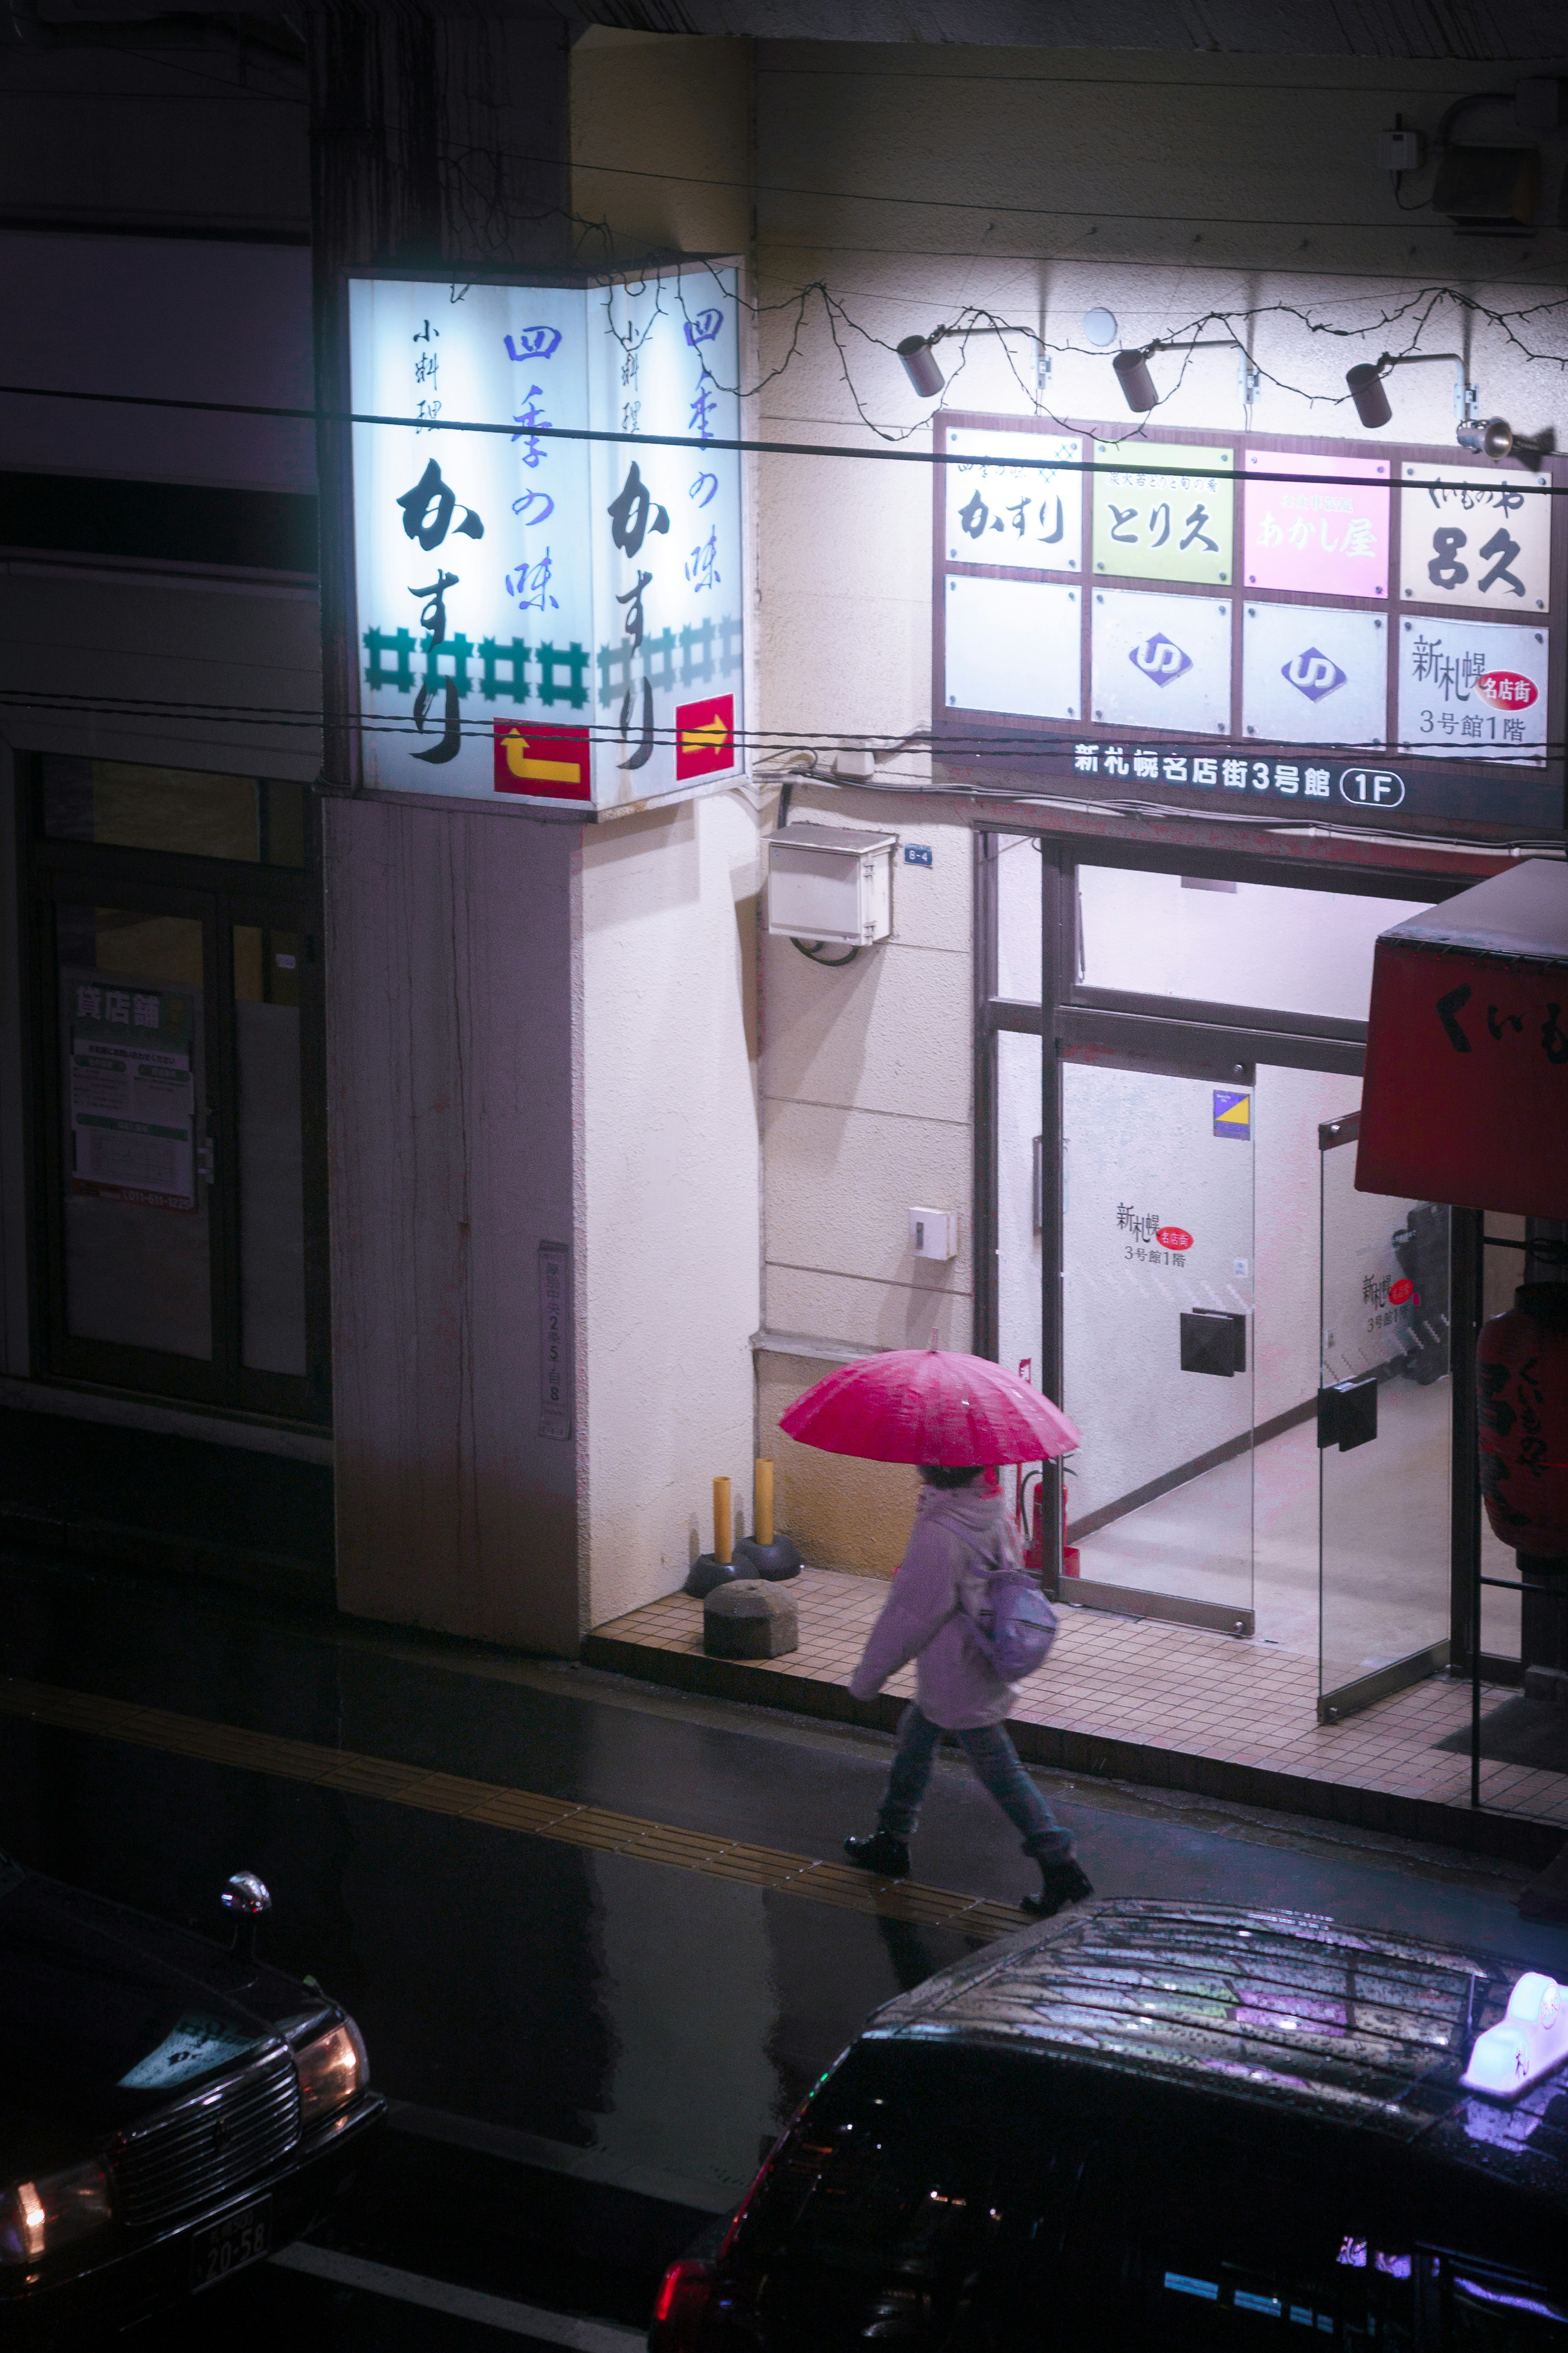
(1177, 472)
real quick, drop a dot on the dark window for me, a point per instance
(180, 1233)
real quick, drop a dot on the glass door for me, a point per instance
(1157, 1215)
(1383, 1436)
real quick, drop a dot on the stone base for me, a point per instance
(748, 1620)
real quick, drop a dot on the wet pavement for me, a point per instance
(586, 2046)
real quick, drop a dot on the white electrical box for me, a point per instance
(829, 882)
(934, 1233)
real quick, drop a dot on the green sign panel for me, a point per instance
(1150, 525)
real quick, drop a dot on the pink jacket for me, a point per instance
(962, 1536)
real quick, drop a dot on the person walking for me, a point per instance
(962, 1537)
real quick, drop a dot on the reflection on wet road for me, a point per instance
(600, 2013)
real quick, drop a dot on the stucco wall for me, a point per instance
(668, 1188)
(449, 1114)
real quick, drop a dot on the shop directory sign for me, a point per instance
(1343, 631)
(543, 619)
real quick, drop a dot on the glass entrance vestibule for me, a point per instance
(1257, 1353)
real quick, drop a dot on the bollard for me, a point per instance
(763, 1554)
(717, 1566)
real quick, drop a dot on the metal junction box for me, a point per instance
(829, 882)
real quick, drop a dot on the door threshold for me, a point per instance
(1171, 1609)
(1334, 1706)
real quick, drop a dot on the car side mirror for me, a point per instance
(246, 1898)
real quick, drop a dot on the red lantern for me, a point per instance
(1522, 1380)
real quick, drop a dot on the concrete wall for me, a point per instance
(667, 1187)
(449, 1097)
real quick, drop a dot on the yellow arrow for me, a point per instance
(711, 736)
(540, 772)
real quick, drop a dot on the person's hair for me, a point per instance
(950, 1474)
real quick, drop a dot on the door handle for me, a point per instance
(1213, 1340)
(1347, 1413)
(204, 1163)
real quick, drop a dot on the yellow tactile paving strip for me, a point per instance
(499, 1808)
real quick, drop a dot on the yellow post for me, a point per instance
(764, 1512)
(723, 1530)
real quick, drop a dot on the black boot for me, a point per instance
(1060, 1882)
(887, 1856)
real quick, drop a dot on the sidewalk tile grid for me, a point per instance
(1159, 1685)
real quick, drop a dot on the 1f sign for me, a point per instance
(555, 1340)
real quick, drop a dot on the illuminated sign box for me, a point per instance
(1298, 622)
(540, 620)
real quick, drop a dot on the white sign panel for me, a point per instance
(1472, 691)
(549, 620)
(1028, 517)
(1475, 538)
(1012, 645)
(1312, 675)
(1162, 662)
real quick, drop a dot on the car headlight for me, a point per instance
(333, 2068)
(36, 2218)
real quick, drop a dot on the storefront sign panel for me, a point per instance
(1324, 539)
(1158, 526)
(1160, 661)
(1028, 518)
(1012, 645)
(508, 579)
(1312, 675)
(1474, 538)
(1475, 688)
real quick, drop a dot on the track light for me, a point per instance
(1365, 386)
(1138, 388)
(1489, 436)
(920, 362)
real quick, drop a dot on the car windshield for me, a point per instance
(952, 2201)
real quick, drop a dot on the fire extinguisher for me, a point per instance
(1031, 1526)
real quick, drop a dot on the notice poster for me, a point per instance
(131, 1091)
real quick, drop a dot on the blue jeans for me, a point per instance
(995, 1759)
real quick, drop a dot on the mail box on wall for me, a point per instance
(1466, 1098)
(829, 882)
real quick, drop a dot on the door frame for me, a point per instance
(220, 893)
(1197, 1033)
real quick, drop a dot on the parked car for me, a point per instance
(1160, 2125)
(169, 2110)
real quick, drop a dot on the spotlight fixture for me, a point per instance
(1138, 386)
(920, 362)
(1489, 436)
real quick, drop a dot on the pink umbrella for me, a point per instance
(925, 1405)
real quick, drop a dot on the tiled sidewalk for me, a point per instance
(1150, 1702)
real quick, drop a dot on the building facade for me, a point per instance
(469, 1103)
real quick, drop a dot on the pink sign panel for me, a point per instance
(1328, 538)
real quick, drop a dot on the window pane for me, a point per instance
(1018, 918)
(134, 1105)
(186, 811)
(1264, 944)
(271, 1150)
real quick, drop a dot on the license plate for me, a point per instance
(222, 2248)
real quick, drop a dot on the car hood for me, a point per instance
(109, 2015)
